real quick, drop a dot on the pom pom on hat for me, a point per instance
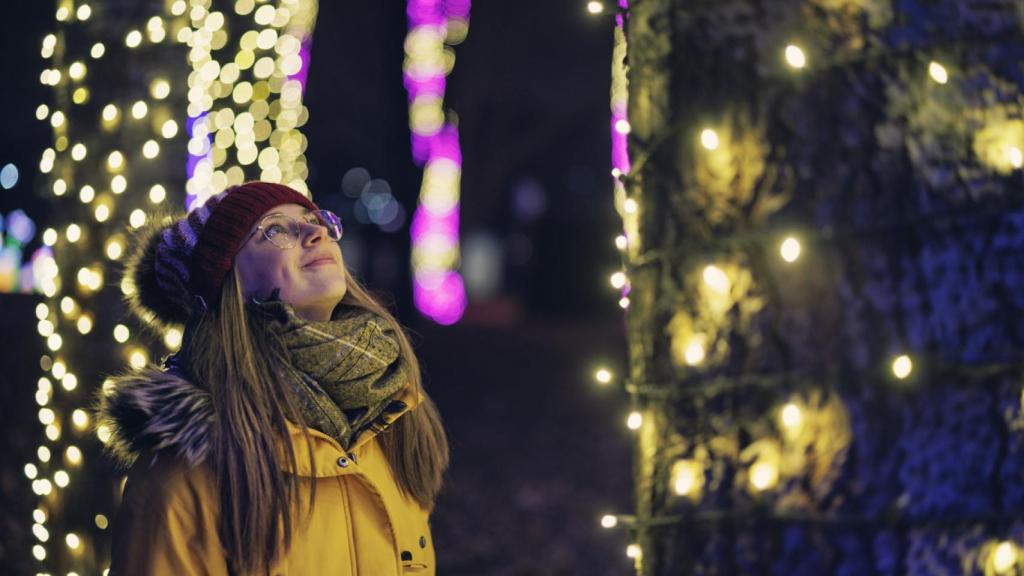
(173, 262)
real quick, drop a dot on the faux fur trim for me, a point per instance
(153, 409)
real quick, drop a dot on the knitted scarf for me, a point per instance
(343, 372)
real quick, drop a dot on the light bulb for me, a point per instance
(634, 420)
(687, 477)
(1004, 557)
(609, 521)
(694, 353)
(709, 139)
(716, 279)
(938, 72)
(763, 475)
(618, 280)
(595, 7)
(790, 249)
(795, 56)
(791, 417)
(902, 366)
(603, 376)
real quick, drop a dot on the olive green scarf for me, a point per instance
(344, 372)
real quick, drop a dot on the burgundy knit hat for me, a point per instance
(191, 256)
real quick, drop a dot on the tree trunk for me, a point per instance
(823, 275)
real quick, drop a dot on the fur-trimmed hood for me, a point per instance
(153, 409)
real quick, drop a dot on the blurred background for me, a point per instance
(539, 452)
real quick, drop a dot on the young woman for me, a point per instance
(290, 434)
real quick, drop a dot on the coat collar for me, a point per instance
(159, 410)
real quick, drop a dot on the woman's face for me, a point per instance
(310, 274)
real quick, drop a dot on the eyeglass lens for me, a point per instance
(284, 231)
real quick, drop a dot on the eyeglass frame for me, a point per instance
(260, 227)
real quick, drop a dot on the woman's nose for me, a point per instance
(313, 234)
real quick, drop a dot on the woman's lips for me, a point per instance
(319, 262)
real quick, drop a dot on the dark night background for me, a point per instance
(539, 453)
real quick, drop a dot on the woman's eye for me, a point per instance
(274, 229)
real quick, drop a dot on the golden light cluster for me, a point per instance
(245, 94)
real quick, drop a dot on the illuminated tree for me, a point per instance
(821, 272)
(156, 103)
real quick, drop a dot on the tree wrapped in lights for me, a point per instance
(114, 159)
(155, 103)
(821, 271)
(434, 27)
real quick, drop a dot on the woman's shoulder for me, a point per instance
(163, 479)
(155, 410)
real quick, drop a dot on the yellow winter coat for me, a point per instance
(361, 524)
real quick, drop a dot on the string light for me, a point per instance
(687, 478)
(694, 353)
(790, 249)
(764, 476)
(795, 56)
(902, 366)
(938, 72)
(1004, 557)
(716, 279)
(603, 376)
(709, 139)
(609, 521)
(791, 417)
(634, 420)
(617, 280)
(438, 288)
(1015, 156)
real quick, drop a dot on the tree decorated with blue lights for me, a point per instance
(822, 233)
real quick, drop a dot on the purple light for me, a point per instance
(303, 72)
(438, 292)
(193, 160)
(444, 301)
(620, 154)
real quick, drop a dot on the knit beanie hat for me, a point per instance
(177, 260)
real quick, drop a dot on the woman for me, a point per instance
(290, 434)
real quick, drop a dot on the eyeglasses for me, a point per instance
(285, 231)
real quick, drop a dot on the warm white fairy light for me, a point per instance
(694, 353)
(764, 475)
(938, 72)
(709, 139)
(617, 280)
(634, 420)
(795, 56)
(902, 366)
(716, 279)
(790, 249)
(609, 521)
(603, 376)
(1005, 557)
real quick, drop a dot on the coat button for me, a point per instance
(423, 541)
(343, 462)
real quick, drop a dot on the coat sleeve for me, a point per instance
(166, 523)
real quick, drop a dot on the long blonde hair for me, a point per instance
(230, 353)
